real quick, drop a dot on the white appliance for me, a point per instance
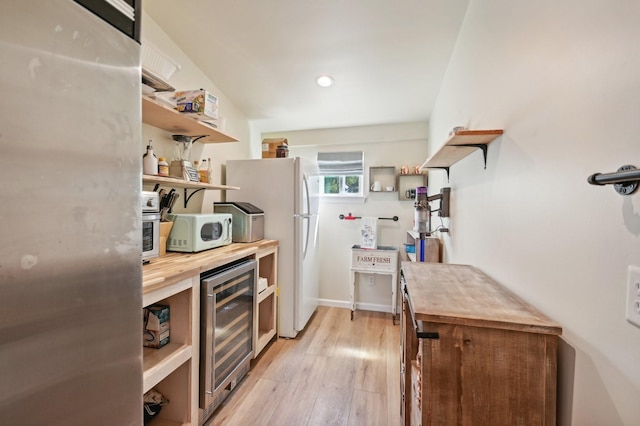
(286, 189)
(150, 206)
(199, 231)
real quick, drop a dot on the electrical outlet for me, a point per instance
(633, 295)
(371, 281)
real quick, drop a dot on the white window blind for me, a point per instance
(341, 163)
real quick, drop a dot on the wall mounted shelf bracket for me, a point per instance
(443, 168)
(186, 199)
(482, 146)
(460, 144)
(625, 180)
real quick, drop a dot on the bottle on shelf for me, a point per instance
(150, 161)
(203, 171)
(210, 170)
(163, 167)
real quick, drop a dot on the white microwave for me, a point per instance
(198, 232)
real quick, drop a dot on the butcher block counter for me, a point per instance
(172, 267)
(472, 351)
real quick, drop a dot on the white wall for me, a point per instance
(384, 145)
(237, 125)
(563, 80)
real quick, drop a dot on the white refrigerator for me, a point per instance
(286, 189)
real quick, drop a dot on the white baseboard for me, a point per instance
(359, 306)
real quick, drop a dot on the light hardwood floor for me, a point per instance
(337, 372)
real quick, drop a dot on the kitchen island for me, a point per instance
(472, 351)
(174, 280)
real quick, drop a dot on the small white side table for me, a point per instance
(382, 260)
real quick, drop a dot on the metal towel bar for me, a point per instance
(350, 217)
(625, 180)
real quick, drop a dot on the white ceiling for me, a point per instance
(387, 56)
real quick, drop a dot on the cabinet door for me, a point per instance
(474, 375)
(405, 381)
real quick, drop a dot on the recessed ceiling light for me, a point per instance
(325, 81)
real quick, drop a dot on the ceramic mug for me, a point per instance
(376, 186)
(410, 194)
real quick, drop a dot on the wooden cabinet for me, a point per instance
(472, 352)
(173, 369)
(265, 313)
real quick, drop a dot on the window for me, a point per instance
(341, 174)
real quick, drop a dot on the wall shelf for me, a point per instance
(460, 144)
(265, 314)
(181, 183)
(409, 181)
(386, 175)
(170, 120)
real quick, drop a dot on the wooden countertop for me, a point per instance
(462, 294)
(173, 267)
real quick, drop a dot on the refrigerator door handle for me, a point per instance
(307, 215)
(307, 195)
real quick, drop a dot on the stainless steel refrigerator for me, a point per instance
(70, 257)
(286, 189)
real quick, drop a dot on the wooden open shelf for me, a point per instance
(166, 422)
(459, 145)
(409, 181)
(170, 120)
(265, 317)
(158, 363)
(173, 369)
(181, 183)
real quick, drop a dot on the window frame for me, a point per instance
(341, 165)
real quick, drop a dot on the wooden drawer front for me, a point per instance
(474, 375)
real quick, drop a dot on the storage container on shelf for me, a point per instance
(156, 61)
